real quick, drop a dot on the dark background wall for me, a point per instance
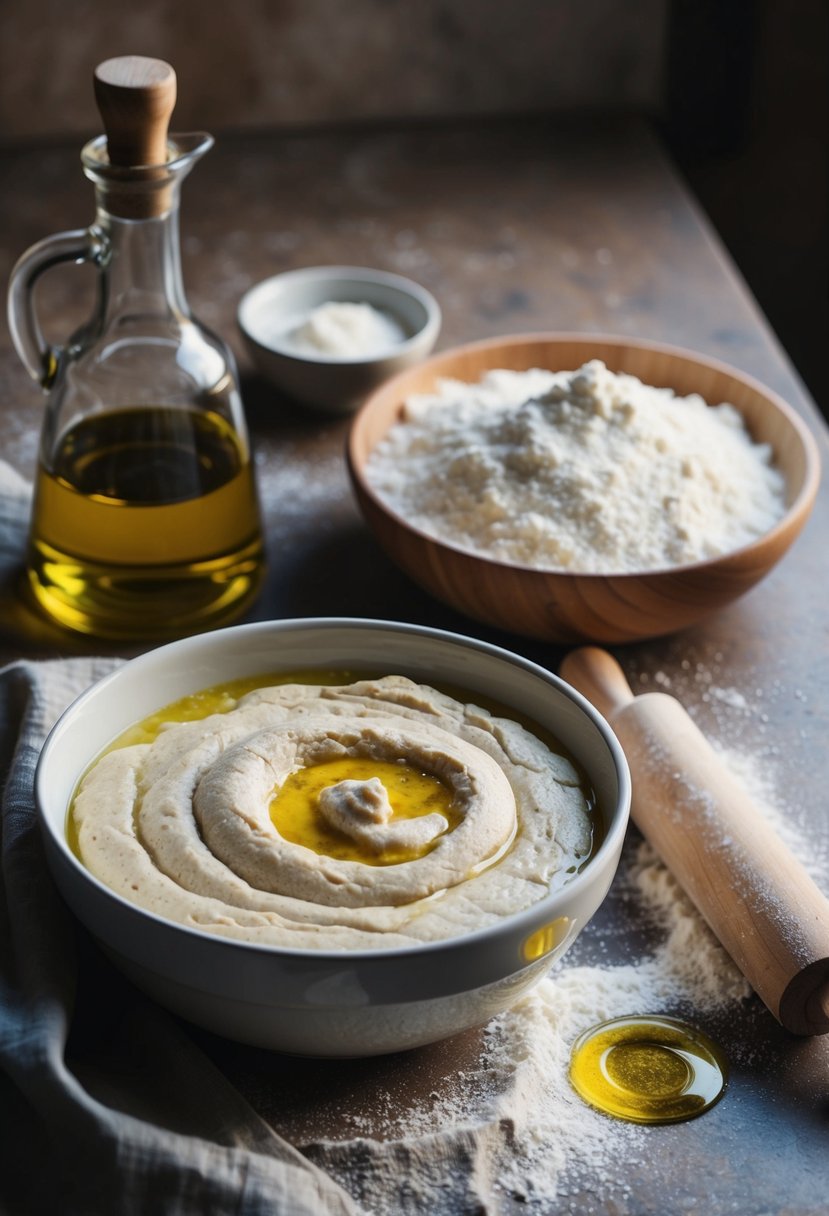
(300, 63)
(746, 115)
(737, 88)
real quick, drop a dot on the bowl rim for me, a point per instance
(616, 825)
(799, 508)
(361, 274)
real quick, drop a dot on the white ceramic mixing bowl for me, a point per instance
(344, 1003)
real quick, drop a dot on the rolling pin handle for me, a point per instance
(818, 1008)
(804, 1004)
(756, 896)
(598, 676)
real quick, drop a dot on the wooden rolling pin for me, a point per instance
(757, 898)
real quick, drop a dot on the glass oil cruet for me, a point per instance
(145, 521)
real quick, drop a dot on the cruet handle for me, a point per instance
(39, 358)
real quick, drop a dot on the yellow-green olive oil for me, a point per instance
(146, 525)
(648, 1069)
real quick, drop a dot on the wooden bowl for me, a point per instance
(563, 606)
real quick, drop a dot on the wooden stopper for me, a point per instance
(757, 898)
(136, 97)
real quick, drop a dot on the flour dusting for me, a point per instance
(511, 1130)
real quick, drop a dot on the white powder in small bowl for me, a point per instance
(585, 471)
(341, 330)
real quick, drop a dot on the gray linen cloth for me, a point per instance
(107, 1106)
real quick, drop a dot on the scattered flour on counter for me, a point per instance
(813, 856)
(302, 482)
(587, 471)
(511, 1129)
(513, 1126)
(728, 696)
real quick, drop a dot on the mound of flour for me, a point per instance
(340, 330)
(586, 471)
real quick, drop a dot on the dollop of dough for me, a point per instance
(361, 810)
(182, 825)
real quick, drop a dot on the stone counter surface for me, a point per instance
(514, 228)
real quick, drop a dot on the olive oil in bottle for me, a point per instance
(145, 521)
(146, 525)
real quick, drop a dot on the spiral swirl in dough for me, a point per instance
(182, 826)
(231, 804)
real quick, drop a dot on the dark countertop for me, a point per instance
(514, 228)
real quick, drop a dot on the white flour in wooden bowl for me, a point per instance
(586, 471)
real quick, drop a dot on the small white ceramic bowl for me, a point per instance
(270, 313)
(343, 1003)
